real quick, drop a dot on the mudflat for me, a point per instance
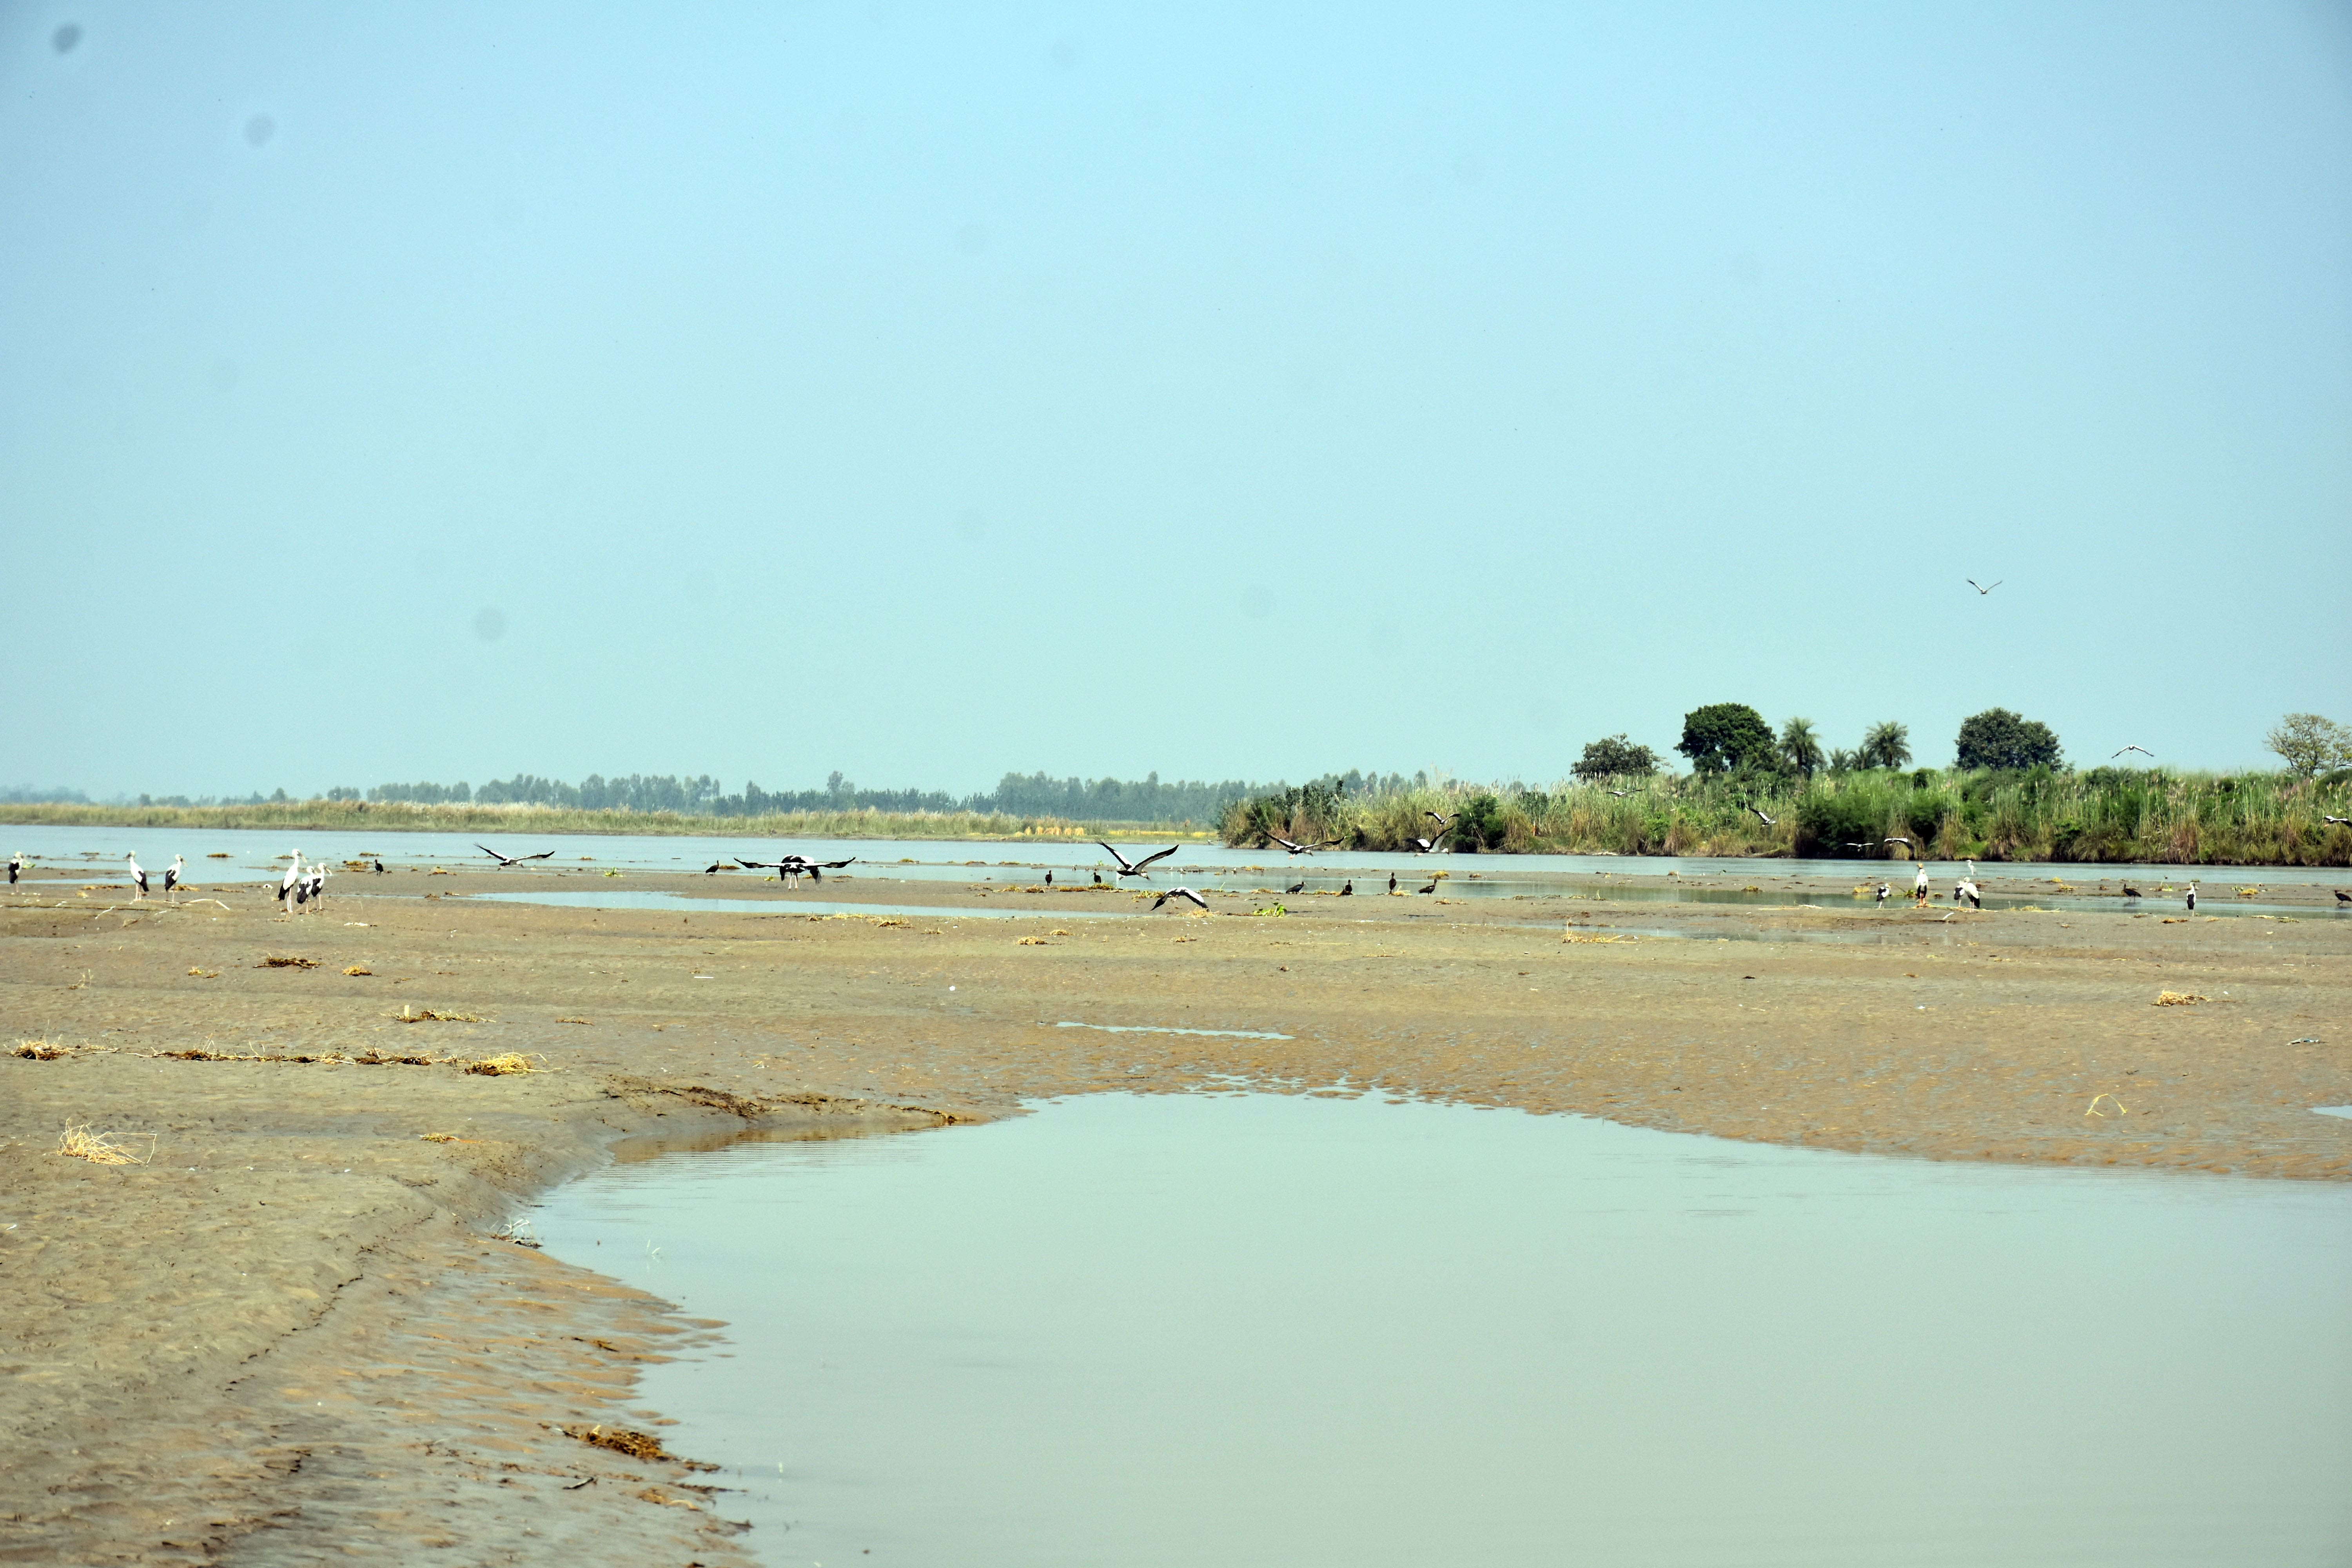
(300, 1325)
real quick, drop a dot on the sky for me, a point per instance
(436, 392)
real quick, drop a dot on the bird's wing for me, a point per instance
(491, 853)
(1117, 856)
(1163, 854)
(758, 864)
(540, 856)
(1194, 897)
(1161, 899)
(837, 865)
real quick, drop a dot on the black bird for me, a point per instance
(1348, 890)
(1297, 887)
(379, 867)
(1430, 888)
(1128, 868)
(1049, 879)
(714, 868)
(1392, 882)
(1099, 878)
(2342, 897)
(1178, 893)
(2130, 891)
(16, 867)
(1972, 582)
(512, 859)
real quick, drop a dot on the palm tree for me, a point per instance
(1800, 748)
(1886, 745)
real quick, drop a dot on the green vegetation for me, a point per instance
(1615, 757)
(2037, 813)
(2000, 739)
(1725, 737)
(2311, 743)
(402, 817)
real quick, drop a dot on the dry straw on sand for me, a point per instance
(512, 1062)
(99, 1148)
(41, 1050)
(2179, 998)
(286, 960)
(408, 1014)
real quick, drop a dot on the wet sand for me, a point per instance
(294, 1332)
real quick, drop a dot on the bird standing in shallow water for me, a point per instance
(1881, 896)
(2192, 897)
(1392, 882)
(1297, 887)
(1348, 890)
(1049, 879)
(1430, 888)
(15, 868)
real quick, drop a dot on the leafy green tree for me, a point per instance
(1844, 762)
(1887, 744)
(1998, 738)
(1725, 735)
(1800, 746)
(1614, 756)
(1477, 825)
(2311, 742)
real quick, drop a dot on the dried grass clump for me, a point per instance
(441, 1138)
(622, 1440)
(286, 960)
(512, 1062)
(359, 969)
(408, 1014)
(374, 1058)
(204, 973)
(99, 1148)
(1035, 942)
(41, 1050)
(2179, 998)
(571, 1020)
(1592, 936)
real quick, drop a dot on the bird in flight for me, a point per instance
(1287, 844)
(1128, 868)
(2335, 821)
(1173, 893)
(513, 859)
(1766, 821)
(1982, 589)
(2143, 751)
(1443, 822)
(1620, 793)
(1885, 842)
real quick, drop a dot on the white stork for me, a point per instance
(171, 878)
(138, 879)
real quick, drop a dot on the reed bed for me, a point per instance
(2101, 816)
(401, 816)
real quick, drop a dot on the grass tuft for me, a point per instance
(2179, 998)
(41, 1050)
(286, 960)
(502, 1066)
(100, 1149)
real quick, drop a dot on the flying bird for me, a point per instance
(2331, 821)
(1174, 893)
(2143, 751)
(1766, 821)
(1885, 842)
(512, 859)
(1443, 822)
(1972, 582)
(1620, 793)
(138, 879)
(1294, 848)
(1128, 868)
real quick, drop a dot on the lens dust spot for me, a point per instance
(259, 130)
(64, 39)
(489, 623)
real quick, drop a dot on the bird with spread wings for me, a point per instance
(1128, 868)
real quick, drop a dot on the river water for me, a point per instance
(1267, 1329)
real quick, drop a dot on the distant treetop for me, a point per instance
(1998, 738)
(1614, 756)
(1725, 735)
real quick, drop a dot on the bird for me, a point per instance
(2143, 751)
(1881, 896)
(2342, 897)
(1348, 890)
(714, 868)
(179, 868)
(1441, 820)
(1297, 887)
(1099, 878)
(1430, 888)
(2335, 821)
(1885, 842)
(1177, 893)
(1049, 879)
(2131, 892)
(1392, 882)
(138, 879)
(286, 887)
(1972, 582)
(1128, 868)
(379, 866)
(2192, 896)
(317, 883)
(1919, 885)
(1862, 846)
(512, 859)
(1620, 793)
(1426, 845)
(1766, 821)
(1297, 849)
(16, 867)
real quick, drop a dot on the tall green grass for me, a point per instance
(2103, 814)
(393, 816)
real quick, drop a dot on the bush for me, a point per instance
(1477, 826)
(1614, 757)
(1723, 736)
(1998, 738)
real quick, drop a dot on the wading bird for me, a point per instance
(714, 868)
(2130, 891)
(512, 859)
(1919, 885)
(1049, 879)
(15, 868)
(1972, 582)
(1881, 896)
(1302, 849)
(1297, 887)
(2342, 897)
(1348, 890)
(1430, 888)
(1099, 878)
(1175, 893)
(318, 884)
(379, 867)
(1392, 882)
(1128, 868)
(179, 868)
(286, 887)
(2143, 751)
(138, 879)
(2192, 897)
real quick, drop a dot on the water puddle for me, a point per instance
(1176, 1329)
(2333, 1110)
(781, 904)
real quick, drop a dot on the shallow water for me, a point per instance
(777, 904)
(1253, 1329)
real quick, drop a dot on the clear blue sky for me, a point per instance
(928, 393)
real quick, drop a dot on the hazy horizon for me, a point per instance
(928, 395)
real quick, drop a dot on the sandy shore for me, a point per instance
(293, 1332)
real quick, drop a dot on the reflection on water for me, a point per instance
(1256, 1329)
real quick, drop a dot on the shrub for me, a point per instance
(1478, 824)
